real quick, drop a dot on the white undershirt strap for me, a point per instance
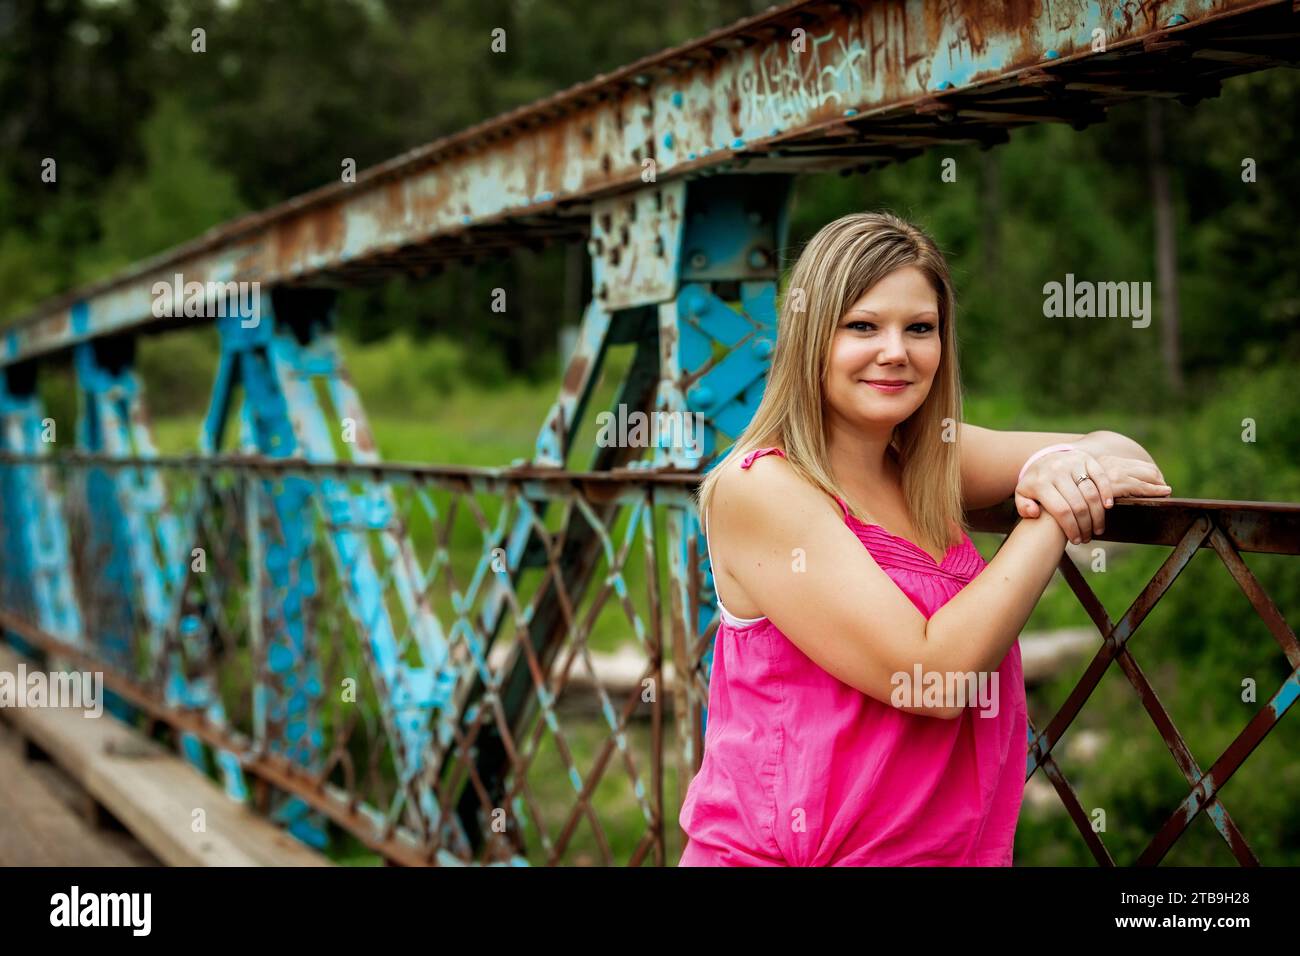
(726, 615)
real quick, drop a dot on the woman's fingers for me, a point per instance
(1097, 471)
(1078, 501)
(1145, 471)
(1147, 489)
(1059, 508)
(1138, 488)
(1080, 507)
(1092, 497)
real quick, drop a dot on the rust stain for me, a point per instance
(365, 441)
(556, 150)
(395, 204)
(733, 105)
(289, 241)
(328, 230)
(575, 373)
(1007, 17)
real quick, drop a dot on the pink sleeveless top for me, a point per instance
(801, 769)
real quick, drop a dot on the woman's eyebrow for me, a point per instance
(877, 314)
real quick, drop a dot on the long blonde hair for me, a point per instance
(835, 268)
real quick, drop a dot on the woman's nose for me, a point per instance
(892, 348)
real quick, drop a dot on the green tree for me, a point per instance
(177, 195)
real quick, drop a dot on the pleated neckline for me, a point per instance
(960, 562)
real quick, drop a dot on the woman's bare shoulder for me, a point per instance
(747, 499)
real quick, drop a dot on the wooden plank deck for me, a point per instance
(153, 792)
(44, 818)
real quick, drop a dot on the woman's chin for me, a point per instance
(876, 420)
(885, 414)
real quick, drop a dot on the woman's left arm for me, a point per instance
(991, 461)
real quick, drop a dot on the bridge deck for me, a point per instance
(44, 819)
(154, 793)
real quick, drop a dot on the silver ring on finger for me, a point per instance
(1080, 479)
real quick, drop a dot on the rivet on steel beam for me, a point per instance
(1176, 20)
(694, 300)
(700, 397)
(762, 348)
(1051, 55)
(668, 140)
(758, 258)
(677, 98)
(699, 260)
(850, 112)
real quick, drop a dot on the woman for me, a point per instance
(857, 628)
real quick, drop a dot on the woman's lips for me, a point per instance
(884, 387)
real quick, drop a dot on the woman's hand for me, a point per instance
(1080, 508)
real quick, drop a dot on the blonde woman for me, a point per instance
(866, 703)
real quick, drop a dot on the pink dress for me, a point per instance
(801, 769)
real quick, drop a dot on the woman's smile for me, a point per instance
(886, 385)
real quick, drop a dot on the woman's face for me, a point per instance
(890, 334)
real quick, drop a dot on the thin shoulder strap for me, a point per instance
(759, 453)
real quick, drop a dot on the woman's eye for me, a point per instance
(859, 325)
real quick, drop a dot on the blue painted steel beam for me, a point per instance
(38, 566)
(279, 363)
(146, 554)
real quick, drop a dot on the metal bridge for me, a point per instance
(228, 597)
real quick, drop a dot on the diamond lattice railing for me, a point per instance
(542, 740)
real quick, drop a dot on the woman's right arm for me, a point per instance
(974, 630)
(787, 546)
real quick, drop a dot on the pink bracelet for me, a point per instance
(1039, 454)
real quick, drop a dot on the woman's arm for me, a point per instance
(991, 459)
(974, 629)
(1111, 443)
(1118, 466)
(786, 546)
